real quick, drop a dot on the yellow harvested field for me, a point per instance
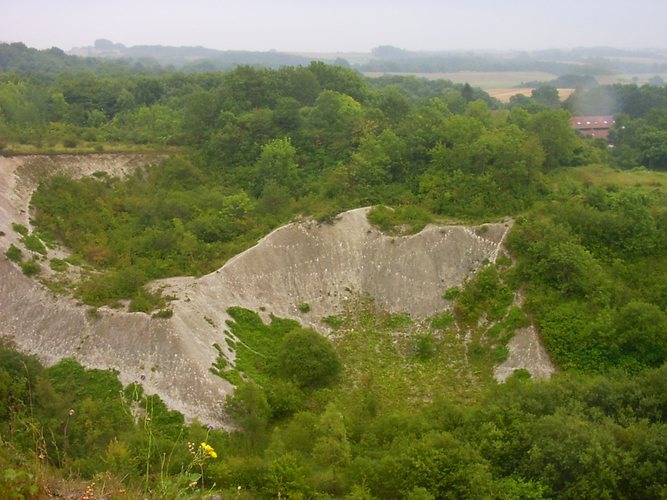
(504, 94)
(483, 79)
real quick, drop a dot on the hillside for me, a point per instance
(322, 265)
(364, 345)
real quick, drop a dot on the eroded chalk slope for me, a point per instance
(322, 265)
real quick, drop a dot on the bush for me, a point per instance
(33, 243)
(143, 301)
(70, 141)
(307, 359)
(19, 484)
(407, 219)
(442, 320)
(58, 265)
(20, 228)
(14, 254)
(382, 217)
(425, 347)
(163, 314)
(30, 267)
(284, 398)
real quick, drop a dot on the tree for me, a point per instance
(331, 448)
(556, 135)
(277, 163)
(546, 96)
(334, 125)
(394, 105)
(641, 333)
(307, 358)
(250, 410)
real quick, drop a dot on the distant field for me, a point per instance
(504, 94)
(483, 79)
(501, 84)
(639, 79)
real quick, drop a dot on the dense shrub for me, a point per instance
(307, 358)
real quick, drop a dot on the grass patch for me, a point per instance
(257, 343)
(332, 321)
(220, 365)
(404, 220)
(20, 228)
(407, 367)
(34, 244)
(30, 267)
(58, 265)
(568, 181)
(163, 314)
(14, 254)
(442, 321)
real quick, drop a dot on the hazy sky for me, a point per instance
(337, 26)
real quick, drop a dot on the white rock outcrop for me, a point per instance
(303, 262)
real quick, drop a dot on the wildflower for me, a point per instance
(71, 413)
(208, 449)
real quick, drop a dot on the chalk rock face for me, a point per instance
(164, 359)
(322, 265)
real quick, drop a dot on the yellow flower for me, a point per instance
(208, 449)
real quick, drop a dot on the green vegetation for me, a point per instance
(30, 267)
(583, 262)
(14, 254)
(266, 146)
(402, 220)
(388, 406)
(34, 244)
(306, 358)
(20, 228)
(409, 415)
(58, 265)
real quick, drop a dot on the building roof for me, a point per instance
(592, 122)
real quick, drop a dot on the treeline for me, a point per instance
(21, 59)
(193, 59)
(446, 63)
(110, 58)
(581, 61)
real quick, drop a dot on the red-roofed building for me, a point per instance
(593, 126)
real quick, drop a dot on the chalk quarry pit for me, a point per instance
(302, 262)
